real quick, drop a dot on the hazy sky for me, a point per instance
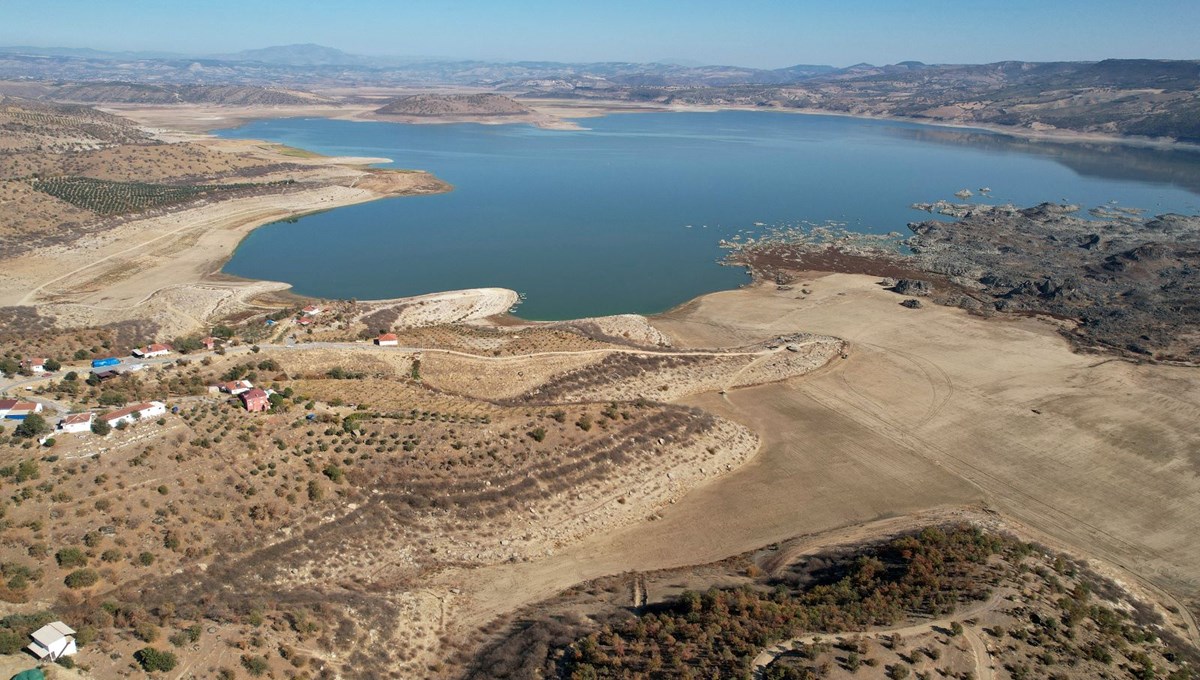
(764, 33)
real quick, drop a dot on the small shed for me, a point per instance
(53, 641)
(387, 340)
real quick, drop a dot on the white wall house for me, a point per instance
(76, 423)
(150, 351)
(127, 415)
(53, 641)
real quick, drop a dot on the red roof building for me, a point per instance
(156, 350)
(255, 400)
(387, 340)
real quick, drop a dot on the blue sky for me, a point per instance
(763, 33)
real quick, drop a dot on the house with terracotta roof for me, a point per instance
(76, 423)
(11, 409)
(149, 351)
(35, 364)
(311, 310)
(255, 400)
(135, 412)
(387, 340)
(236, 387)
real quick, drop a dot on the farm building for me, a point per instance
(35, 364)
(255, 400)
(135, 412)
(11, 409)
(76, 422)
(387, 340)
(53, 641)
(155, 350)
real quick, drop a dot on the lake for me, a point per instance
(626, 216)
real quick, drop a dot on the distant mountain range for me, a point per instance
(1145, 97)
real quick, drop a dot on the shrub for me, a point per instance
(101, 427)
(82, 578)
(254, 665)
(152, 659)
(334, 473)
(146, 631)
(70, 557)
(537, 434)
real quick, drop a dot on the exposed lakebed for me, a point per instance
(626, 216)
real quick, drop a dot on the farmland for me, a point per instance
(117, 198)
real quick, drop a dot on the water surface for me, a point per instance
(626, 216)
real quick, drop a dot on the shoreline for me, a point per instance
(176, 119)
(556, 114)
(165, 268)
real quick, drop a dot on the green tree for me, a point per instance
(152, 659)
(101, 427)
(52, 365)
(33, 426)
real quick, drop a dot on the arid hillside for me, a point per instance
(453, 105)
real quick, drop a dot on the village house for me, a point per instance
(304, 321)
(209, 343)
(149, 351)
(35, 364)
(236, 387)
(387, 340)
(11, 409)
(311, 310)
(135, 412)
(255, 400)
(76, 423)
(53, 641)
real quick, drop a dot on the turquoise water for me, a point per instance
(626, 215)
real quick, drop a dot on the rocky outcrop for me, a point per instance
(1132, 284)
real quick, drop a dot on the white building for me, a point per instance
(135, 412)
(76, 423)
(150, 351)
(11, 409)
(53, 641)
(236, 387)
